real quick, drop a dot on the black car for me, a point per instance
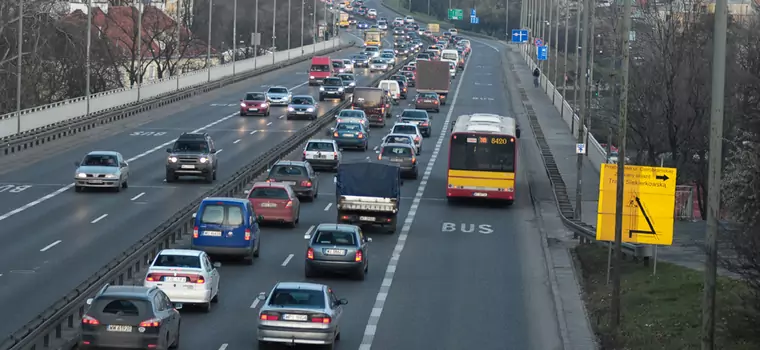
(402, 84)
(193, 154)
(402, 50)
(299, 175)
(418, 117)
(360, 61)
(349, 81)
(332, 88)
(399, 32)
(130, 317)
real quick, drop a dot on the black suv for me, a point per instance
(193, 154)
(332, 88)
(142, 317)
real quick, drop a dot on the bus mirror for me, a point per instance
(518, 133)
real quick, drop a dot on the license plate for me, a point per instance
(118, 328)
(253, 109)
(367, 218)
(175, 279)
(291, 183)
(428, 101)
(212, 233)
(96, 181)
(335, 252)
(322, 156)
(289, 317)
(268, 205)
(300, 112)
(480, 194)
(397, 159)
(188, 167)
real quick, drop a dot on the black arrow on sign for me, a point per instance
(646, 217)
(662, 177)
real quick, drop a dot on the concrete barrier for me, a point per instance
(41, 117)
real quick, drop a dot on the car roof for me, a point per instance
(140, 292)
(337, 227)
(305, 96)
(225, 200)
(270, 184)
(103, 153)
(398, 135)
(300, 285)
(291, 162)
(277, 87)
(321, 140)
(395, 144)
(183, 252)
(414, 110)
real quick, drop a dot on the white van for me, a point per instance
(392, 87)
(452, 67)
(450, 55)
(454, 31)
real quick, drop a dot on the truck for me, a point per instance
(433, 27)
(343, 20)
(433, 76)
(373, 37)
(374, 102)
(368, 193)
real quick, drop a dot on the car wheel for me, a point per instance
(175, 345)
(309, 272)
(416, 174)
(78, 188)
(360, 275)
(214, 178)
(263, 345)
(206, 307)
(438, 111)
(170, 176)
(257, 249)
(210, 177)
(215, 299)
(117, 189)
(287, 117)
(321, 98)
(248, 260)
(125, 184)
(242, 114)
(268, 111)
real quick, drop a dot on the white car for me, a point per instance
(186, 276)
(454, 31)
(372, 12)
(349, 65)
(372, 51)
(452, 68)
(409, 129)
(399, 138)
(398, 21)
(382, 25)
(408, 19)
(378, 65)
(322, 154)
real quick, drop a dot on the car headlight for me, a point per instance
(203, 160)
(110, 176)
(311, 77)
(351, 84)
(242, 105)
(290, 109)
(310, 109)
(264, 105)
(340, 89)
(173, 159)
(321, 88)
(81, 175)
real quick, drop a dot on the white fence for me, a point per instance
(42, 116)
(596, 153)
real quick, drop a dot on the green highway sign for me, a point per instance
(456, 14)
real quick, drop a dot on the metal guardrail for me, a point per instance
(61, 321)
(42, 117)
(21, 142)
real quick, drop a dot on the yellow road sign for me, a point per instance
(648, 204)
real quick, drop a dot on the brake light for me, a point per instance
(359, 256)
(304, 155)
(323, 320)
(416, 138)
(266, 317)
(152, 278)
(414, 160)
(306, 183)
(387, 105)
(310, 254)
(198, 279)
(247, 234)
(419, 101)
(335, 154)
(271, 180)
(153, 322)
(335, 134)
(379, 157)
(361, 136)
(435, 102)
(87, 319)
(195, 232)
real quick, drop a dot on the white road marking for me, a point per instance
(51, 245)
(376, 147)
(270, 123)
(328, 206)
(99, 218)
(219, 150)
(280, 117)
(236, 141)
(287, 260)
(137, 196)
(253, 132)
(223, 347)
(255, 303)
(390, 271)
(308, 232)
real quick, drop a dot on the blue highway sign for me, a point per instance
(519, 35)
(542, 53)
(474, 20)
(472, 13)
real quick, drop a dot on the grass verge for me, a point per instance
(661, 311)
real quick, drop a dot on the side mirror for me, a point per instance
(124, 164)
(89, 301)
(213, 151)
(168, 150)
(518, 133)
(195, 215)
(335, 179)
(369, 239)
(76, 163)
(342, 302)
(177, 306)
(217, 264)
(398, 116)
(260, 218)
(262, 296)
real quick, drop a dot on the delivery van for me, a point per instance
(226, 227)
(321, 68)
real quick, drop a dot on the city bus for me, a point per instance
(483, 157)
(373, 37)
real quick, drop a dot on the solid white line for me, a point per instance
(98, 219)
(255, 303)
(287, 260)
(299, 85)
(223, 347)
(253, 132)
(270, 123)
(390, 272)
(236, 141)
(328, 206)
(51, 245)
(137, 196)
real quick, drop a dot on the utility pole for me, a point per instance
(577, 60)
(590, 78)
(303, 5)
(555, 22)
(506, 20)
(714, 173)
(564, 75)
(274, 32)
(234, 37)
(548, 40)
(289, 7)
(140, 4)
(178, 40)
(19, 62)
(622, 140)
(208, 45)
(582, 111)
(256, 35)
(542, 30)
(88, 62)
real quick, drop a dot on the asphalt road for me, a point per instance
(52, 238)
(455, 277)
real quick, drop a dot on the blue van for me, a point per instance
(227, 226)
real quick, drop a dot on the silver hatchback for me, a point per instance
(337, 248)
(300, 313)
(401, 154)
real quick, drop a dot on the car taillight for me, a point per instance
(416, 138)
(153, 322)
(269, 317)
(420, 101)
(247, 234)
(361, 136)
(358, 256)
(425, 124)
(387, 105)
(152, 277)
(435, 102)
(335, 134)
(198, 280)
(289, 204)
(321, 319)
(306, 183)
(195, 232)
(380, 156)
(310, 254)
(87, 319)
(304, 155)
(335, 154)
(414, 160)
(271, 180)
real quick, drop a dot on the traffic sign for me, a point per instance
(543, 53)
(456, 14)
(580, 148)
(472, 13)
(519, 35)
(474, 20)
(649, 197)
(538, 42)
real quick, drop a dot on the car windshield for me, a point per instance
(320, 146)
(302, 101)
(333, 82)
(405, 129)
(429, 96)
(349, 127)
(335, 238)
(320, 68)
(121, 307)
(288, 170)
(387, 55)
(170, 260)
(359, 57)
(397, 151)
(300, 298)
(398, 139)
(337, 64)
(346, 77)
(378, 61)
(190, 146)
(414, 115)
(257, 96)
(278, 91)
(269, 193)
(351, 114)
(372, 49)
(100, 160)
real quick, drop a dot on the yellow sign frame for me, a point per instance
(648, 204)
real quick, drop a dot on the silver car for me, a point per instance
(299, 313)
(378, 65)
(389, 57)
(402, 154)
(101, 169)
(303, 106)
(279, 96)
(337, 248)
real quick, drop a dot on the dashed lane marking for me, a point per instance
(255, 303)
(287, 260)
(328, 206)
(236, 141)
(390, 271)
(308, 232)
(137, 196)
(253, 132)
(223, 347)
(51, 245)
(98, 219)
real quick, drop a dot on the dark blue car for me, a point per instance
(362, 25)
(351, 135)
(226, 226)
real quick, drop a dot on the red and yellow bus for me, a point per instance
(483, 157)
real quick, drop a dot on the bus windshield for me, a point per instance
(482, 153)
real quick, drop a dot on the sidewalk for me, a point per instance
(688, 237)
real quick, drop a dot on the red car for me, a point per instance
(254, 103)
(275, 202)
